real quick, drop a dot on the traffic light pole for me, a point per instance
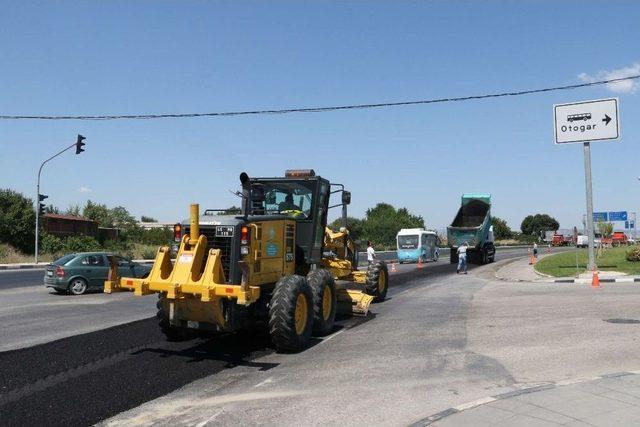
(38, 197)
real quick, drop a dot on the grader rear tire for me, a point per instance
(172, 333)
(323, 288)
(291, 314)
(377, 281)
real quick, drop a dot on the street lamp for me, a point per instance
(40, 197)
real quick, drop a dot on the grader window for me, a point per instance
(288, 198)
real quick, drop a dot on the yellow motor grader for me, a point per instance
(274, 264)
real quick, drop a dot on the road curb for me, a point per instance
(588, 281)
(517, 392)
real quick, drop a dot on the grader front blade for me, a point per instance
(352, 301)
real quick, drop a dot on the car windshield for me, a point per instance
(407, 242)
(64, 260)
(288, 198)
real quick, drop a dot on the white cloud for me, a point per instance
(85, 190)
(626, 86)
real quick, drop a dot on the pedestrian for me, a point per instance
(462, 258)
(535, 250)
(371, 253)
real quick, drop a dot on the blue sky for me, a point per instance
(124, 57)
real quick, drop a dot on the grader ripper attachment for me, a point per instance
(275, 264)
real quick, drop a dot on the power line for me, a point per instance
(319, 109)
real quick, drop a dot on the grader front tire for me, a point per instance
(377, 281)
(291, 314)
(325, 300)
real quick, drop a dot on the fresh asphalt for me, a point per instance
(88, 377)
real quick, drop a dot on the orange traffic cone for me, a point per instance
(393, 267)
(420, 262)
(595, 279)
(532, 259)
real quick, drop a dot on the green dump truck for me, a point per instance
(472, 224)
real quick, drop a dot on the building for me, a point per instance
(67, 225)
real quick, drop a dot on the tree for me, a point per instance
(99, 213)
(121, 218)
(73, 210)
(535, 225)
(605, 228)
(144, 218)
(17, 220)
(50, 209)
(233, 210)
(354, 225)
(501, 230)
(383, 222)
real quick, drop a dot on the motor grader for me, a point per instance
(275, 264)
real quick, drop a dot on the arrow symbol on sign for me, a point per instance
(606, 119)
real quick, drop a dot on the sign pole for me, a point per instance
(590, 232)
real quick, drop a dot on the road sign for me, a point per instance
(618, 216)
(600, 216)
(586, 121)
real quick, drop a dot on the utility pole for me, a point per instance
(589, 191)
(40, 197)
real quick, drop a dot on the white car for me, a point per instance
(582, 241)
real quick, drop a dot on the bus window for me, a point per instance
(407, 242)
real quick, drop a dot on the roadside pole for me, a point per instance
(584, 122)
(634, 227)
(589, 191)
(78, 144)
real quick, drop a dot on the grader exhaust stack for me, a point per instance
(264, 266)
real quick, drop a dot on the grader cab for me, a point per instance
(276, 264)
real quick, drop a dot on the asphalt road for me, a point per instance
(88, 377)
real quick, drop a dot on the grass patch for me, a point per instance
(564, 264)
(9, 255)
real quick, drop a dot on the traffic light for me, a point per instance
(80, 144)
(41, 205)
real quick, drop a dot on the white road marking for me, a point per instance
(261, 383)
(333, 335)
(211, 418)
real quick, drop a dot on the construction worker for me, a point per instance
(371, 253)
(462, 258)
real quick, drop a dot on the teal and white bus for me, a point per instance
(417, 244)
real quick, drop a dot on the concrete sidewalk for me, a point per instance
(519, 270)
(602, 401)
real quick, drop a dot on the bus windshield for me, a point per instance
(407, 242)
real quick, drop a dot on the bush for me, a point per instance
(17, 220)
(148, 253)
(81, 244)
(633, 255)
(119, 248)
(51, 244)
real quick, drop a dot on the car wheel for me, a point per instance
(78, 286)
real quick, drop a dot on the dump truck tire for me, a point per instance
(291, 314)
(453, 257)
(377, 281)
(325, 300)
(172, 333)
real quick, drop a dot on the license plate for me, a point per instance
(224, 231)
(49, 273)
